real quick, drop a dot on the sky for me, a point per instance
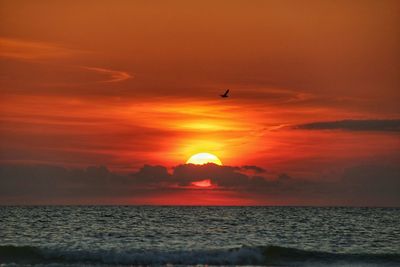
(103, 102)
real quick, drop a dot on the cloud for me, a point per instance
(222, 176)
(256, 169)
(156, 176)
(34, 57)
(31, 50)
(390, 125)
(48, 182)
(367, 185)
(114, 75)
(373, 181)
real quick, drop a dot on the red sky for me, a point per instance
(128, 83)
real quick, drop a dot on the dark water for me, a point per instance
(272, 236)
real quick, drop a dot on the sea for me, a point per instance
(198, 236)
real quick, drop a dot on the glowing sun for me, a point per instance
(203, 158)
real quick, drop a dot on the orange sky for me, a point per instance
(128, 83)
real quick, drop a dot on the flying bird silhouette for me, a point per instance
(226, 94)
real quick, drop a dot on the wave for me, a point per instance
(244, 255)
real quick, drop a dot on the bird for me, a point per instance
(226, 94)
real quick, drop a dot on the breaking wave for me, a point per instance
(244, 255)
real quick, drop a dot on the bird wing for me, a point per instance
(227, 91)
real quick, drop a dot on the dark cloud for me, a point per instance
(365, 185)
(256, 169)
(48, 182)
(223, 176)
(152, 176)
(380, 183)
(392, 125)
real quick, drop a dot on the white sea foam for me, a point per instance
(244, 255)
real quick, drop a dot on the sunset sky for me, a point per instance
(103, 102)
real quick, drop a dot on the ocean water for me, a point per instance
(229, 236)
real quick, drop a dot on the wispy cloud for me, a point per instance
(390, 125)
(113, 75)
(33, 50)
(48, 53)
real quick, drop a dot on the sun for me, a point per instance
(203, 158)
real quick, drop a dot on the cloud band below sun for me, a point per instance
(372, 185)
